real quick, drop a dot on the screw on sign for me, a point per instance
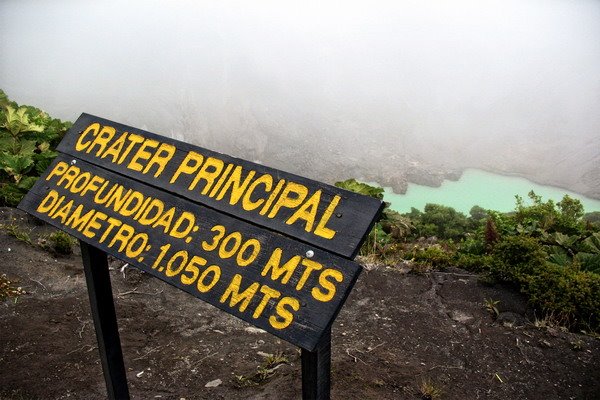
(255, 242)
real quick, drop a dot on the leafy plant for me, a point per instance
(61, 242)
(28, 137)
(263, 371)
(492, 307)
(362, 188)
(395, 224)
(17, 232)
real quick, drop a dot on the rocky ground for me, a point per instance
(400, 335)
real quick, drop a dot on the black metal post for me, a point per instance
(95, 265)
(316, 370)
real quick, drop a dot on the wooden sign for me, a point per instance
(322, 215)
(288, 288)
(269, 247)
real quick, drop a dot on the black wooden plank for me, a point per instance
(316, 370)
(273, 305)
(344, 215)
(95, 265)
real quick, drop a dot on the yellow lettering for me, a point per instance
(58, 170)
(276, 270)
(142, 238)
(64, 211)
(92, 185)
(102, 138)
(247, 203)
(272, 197)
(310, 267)
(48, 202)
(112, 223)
(69, 176)
(188, 166)
(237, 188)
(268, 294)
(284, 316)
(78, 222)
(115, 148)
(98, 199)
(233, 292)
(93, 224)
(165, 220)
(123, 235)
(160, 158)
(210, 170)
(133, 140)
(80, 145)
(321, 229)
(80, 182)
(118, 198)
(221, 180)
(58, 203)
(329, 286)
(142, 154)
(307, 212)
(132, 204)
(220, 229)
(298, 193)
(203, 287)
(193, 268)
(186, 217)
(155, 205)
(234, 237)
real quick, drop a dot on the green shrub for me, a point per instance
(472, 245)
(28, 137)
(515, 258)
(376, 242)
(567, 294)
(358, 187)
(61, 242)
(439, 221)
(395, 224)
(473, 262)
(566, 216)
(434, 256)
(478, 214)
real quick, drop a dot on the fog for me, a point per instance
(328, 89)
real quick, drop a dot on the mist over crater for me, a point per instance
(388, 91)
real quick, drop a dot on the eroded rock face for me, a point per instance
(570, 164)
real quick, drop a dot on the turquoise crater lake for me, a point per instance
(476, 187)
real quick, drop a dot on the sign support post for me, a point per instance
(316, 370)
(95, 265)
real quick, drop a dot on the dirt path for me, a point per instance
(398, 333)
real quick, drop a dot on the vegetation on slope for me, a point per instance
(549, 251)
